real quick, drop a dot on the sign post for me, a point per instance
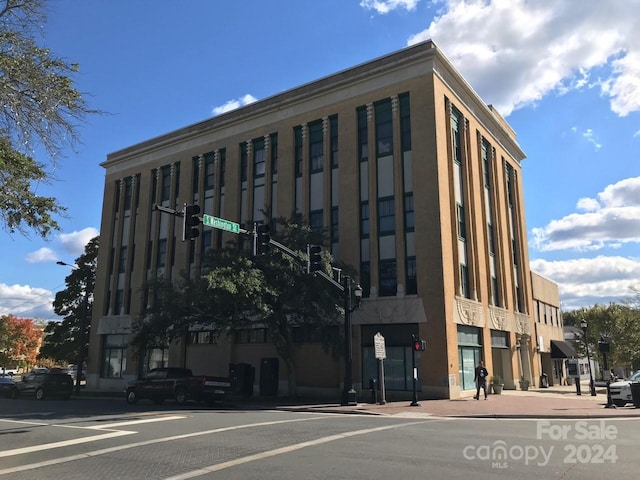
(381, 354)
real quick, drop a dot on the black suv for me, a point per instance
(46, 384)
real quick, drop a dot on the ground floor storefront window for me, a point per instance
(398, 365)
(114, 356)
(469, 354)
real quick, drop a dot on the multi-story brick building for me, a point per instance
(419, 184)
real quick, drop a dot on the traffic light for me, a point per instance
(190, 223)
(419, 345)
(314, 258)
(264, 238)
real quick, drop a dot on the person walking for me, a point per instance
(481, 380)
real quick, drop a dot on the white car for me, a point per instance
(621, 390)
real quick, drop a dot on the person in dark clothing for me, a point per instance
(481, 380)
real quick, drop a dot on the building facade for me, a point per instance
(419, 184)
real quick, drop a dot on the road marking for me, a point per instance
(111, 426)
(283, 450)
(117, 448)
(63, 443)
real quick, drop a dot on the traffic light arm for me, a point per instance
(303, 262)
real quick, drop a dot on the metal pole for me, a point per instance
(349, 396)
(592, 386)
(414, 403)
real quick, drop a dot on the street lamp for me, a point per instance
(349, 394)
(592, 386)
(83, 327)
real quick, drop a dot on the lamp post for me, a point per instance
(83, 327)
(349, 396)
(592, 386)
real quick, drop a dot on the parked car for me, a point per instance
(45, 384)
(179, 384)
(621, 390)
(7, 387)
(8, 372)
(34, 371)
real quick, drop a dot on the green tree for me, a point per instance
(40, 107)
(618, 324)
(236, 291)
(68, 340)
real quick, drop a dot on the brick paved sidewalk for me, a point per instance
(559, 402)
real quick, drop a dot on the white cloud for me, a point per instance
(385, 6)
(41, 255)
(75, 242)
(608, 221)
(589, 136)
(233, 104)
(587, 281)
(24, 301)
(515, 52)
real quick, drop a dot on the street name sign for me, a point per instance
(220, 223)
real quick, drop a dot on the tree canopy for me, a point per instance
(40, 107)
(236, 290)
(19, 341)
(616, 324)
(67, 341)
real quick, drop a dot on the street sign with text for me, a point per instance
(220, 223)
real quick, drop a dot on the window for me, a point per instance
(365, 278)
(251, 335)
(462, 231)
(316, 147)
(386, 216)
(298, 150)
(455, 135)
(114, 358)
(464, 280)
(364, 219)
(209, 173)
(204, 337)
(333, 140)
(154, 358)
(405, 122)
(127, 193)
(274, 153)
(122, 265)
(363, 141)
(162, 253)
(243, 162)
(408, 212)
(259, 158)
(384, 128)
(166, 184)
(388, 278)
(119, 302)
(315, 220)
(412, 285)
(334, 225)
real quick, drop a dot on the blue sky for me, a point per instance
(567, 79)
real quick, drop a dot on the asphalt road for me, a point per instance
(107, 439)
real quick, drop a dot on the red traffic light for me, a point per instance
(419, 345)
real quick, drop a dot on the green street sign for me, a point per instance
(220, 223)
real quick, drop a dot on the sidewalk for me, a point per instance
(554, 402)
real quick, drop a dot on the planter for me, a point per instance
(497, 388)
(524, 385)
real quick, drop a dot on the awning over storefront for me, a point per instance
(560, 349)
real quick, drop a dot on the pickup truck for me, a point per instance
(178, 384)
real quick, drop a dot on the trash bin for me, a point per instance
(635, 394)
(544, 381)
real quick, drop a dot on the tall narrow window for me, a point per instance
(333, 140)
(334, 225)
(259, 158)
(364, 219)
(384, 128)
(316, 147)
(274, 153)
(244, 161)
(386, 216)
(363, 145)
(298, 150)
(405, 122)
(127, 193)
(412, 284)
(166, 183)
(408, 212)
(388, 277)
